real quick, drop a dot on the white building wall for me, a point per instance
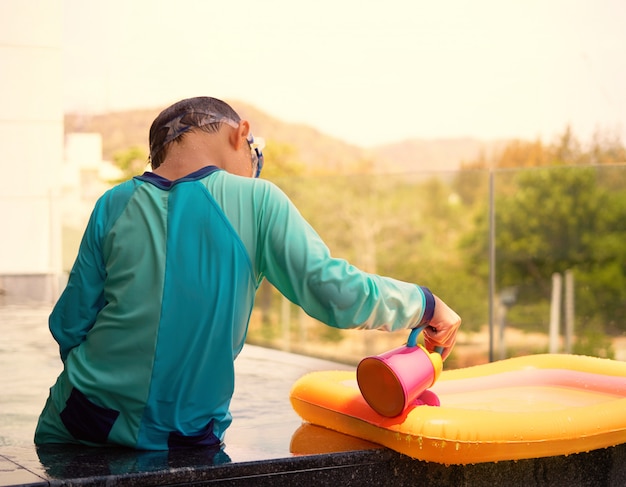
(31, 147)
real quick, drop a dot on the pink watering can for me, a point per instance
(396, 379)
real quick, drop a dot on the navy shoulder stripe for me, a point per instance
(165, 184)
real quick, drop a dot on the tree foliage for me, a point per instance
(132, 162)
(566, 214)
(282, 160)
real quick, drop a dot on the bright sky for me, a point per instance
(365, 71)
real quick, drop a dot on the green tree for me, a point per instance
(559, 219)
(281, 161)
(132, 161)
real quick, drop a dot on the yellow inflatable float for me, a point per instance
(526, 407)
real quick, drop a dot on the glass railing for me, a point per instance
(534, 260)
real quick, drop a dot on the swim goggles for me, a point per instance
(256, 151)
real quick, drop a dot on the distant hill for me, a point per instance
(415, 155)
(121, 130)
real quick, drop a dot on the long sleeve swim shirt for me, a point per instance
(157, 305)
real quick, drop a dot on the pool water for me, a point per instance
(29, 365)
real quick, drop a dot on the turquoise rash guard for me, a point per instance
(157, 306)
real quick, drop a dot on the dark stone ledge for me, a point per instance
(60, 466)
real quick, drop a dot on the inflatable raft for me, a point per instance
(526, 407)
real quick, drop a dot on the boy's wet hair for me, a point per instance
(202, 112)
